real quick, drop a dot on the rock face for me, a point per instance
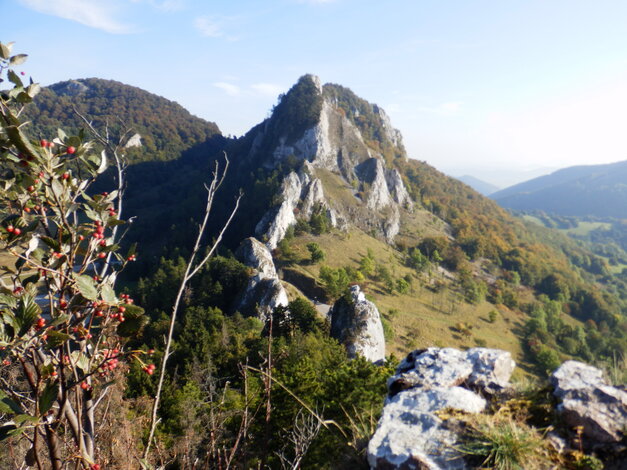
(335, 144)
(356, 323)
(587, 400)
(410, 434)
(264, 291)
(134, 141)
(299, 193)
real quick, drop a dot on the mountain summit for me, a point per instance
(337, 145)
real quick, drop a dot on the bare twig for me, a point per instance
(191, 269)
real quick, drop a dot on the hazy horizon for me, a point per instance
(485, 89)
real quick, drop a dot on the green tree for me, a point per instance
(317, 254)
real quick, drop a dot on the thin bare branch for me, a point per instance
(190, 271)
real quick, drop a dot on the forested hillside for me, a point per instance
(594, 190)
(165, 127)
(104, 298)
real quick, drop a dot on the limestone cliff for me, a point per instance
(327, 129)
(264, 291)
(356, 323)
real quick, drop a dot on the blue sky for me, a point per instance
(475, 86)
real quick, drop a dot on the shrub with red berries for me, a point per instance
(62, 325)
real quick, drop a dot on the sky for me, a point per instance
(498, 89)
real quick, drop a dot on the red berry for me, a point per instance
(84, 385)
(95, 467)
(121, 309)
(102, 243)
(16, 231)
(65, 175)
(31, 188)
(10, 229)
(102, 255)
(70, 150)
(6, 362)
(81, 237)
(44, 143)
(27, 210)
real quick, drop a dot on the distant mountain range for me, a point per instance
(599, 190)
(478, 185)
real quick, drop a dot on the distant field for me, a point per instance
(533, 219)
(584, 228)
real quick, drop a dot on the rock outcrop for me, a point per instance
(134, 141)
(410, 434)
(334, 143)
(587, 400)
(356, 323)
(264, 290)
(299, 193)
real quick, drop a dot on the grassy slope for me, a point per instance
(420, 318)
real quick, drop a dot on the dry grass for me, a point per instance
(420, 318)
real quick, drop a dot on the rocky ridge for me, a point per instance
(336, 144)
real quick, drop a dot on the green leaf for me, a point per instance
(14, 78)
(62, 135)
(86, 287)
(33, 90)
(8, 300)
(51, 242)
(132, 250)
(7, 430)
(5, 51)
(134, 320)
(108, 294)
(30, 280)
(17, 59)
(48, 397)
(59, 320)
(57, 188)
(8, 406)
(81, 361)
(26, 313)
(56, 338)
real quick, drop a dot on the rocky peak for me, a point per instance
(330, 129)
(356, 323)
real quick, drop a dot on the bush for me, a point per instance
(493, 315)
(63, 327)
